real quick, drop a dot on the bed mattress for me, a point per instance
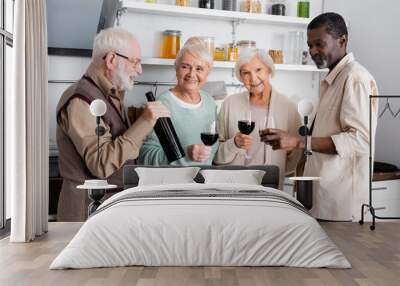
(201, 225)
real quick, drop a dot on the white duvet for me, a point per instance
(207, 230)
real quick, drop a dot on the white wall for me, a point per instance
(375, 41)
(148, 30)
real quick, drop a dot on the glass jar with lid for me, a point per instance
(295, 47)
(232, 52)
(303, 8)
(208, 42)
(170, 44)
(245, 44)
(219, 53)
(251, 6)
(277, 45)
(182, 2)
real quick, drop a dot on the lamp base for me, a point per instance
(304, 190)
(304, 193)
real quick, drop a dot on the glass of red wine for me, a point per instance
(246, 127)
(210, 136)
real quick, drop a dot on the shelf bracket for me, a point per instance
(235, 23)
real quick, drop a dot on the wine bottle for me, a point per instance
(166, 134)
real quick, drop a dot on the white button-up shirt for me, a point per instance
(343, 115)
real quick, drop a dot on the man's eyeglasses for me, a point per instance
(134, 62)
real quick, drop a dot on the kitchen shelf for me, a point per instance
(222, 15)
(231, 65)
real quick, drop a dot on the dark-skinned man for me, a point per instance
(340, 133)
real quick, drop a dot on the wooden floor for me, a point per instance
(374, 255)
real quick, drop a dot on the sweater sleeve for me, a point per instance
(354, 119)
(80, 125)
(294, 124)
(227, 149)
(152, 152)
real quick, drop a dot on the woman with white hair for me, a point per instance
(263, 105)
(192, 110)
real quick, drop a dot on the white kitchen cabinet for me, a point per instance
(386, 198)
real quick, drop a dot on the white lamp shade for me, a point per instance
(305, 107)
(98, 107)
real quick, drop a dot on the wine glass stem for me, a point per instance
(247, 155)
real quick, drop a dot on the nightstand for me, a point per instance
(95, 193)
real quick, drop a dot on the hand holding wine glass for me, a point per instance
(269, 122)
(198, 152)
(243, 141)
(245, 128)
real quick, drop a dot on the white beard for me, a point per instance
(121, 80)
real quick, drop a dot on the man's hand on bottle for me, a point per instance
(154, 110)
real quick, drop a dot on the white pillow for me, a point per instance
(165, 176)
(249, 177)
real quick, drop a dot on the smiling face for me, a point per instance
(191, 73)
(255, 75)
(325, 50)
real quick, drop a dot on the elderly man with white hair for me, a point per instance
(193, 111)
(115, 63)
(263, 105)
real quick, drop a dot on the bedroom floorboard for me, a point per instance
(374, 255)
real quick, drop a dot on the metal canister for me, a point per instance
(229, 5)
(278, 9)
(208, 4)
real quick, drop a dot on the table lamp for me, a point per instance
(98, 108)
(304, 185)
(305, 108)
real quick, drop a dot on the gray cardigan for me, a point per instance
(285, 117)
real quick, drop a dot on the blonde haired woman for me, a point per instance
(192, 110)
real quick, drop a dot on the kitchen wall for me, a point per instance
(375, 40)
(294, 84)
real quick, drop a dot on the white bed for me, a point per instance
(201, 224)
